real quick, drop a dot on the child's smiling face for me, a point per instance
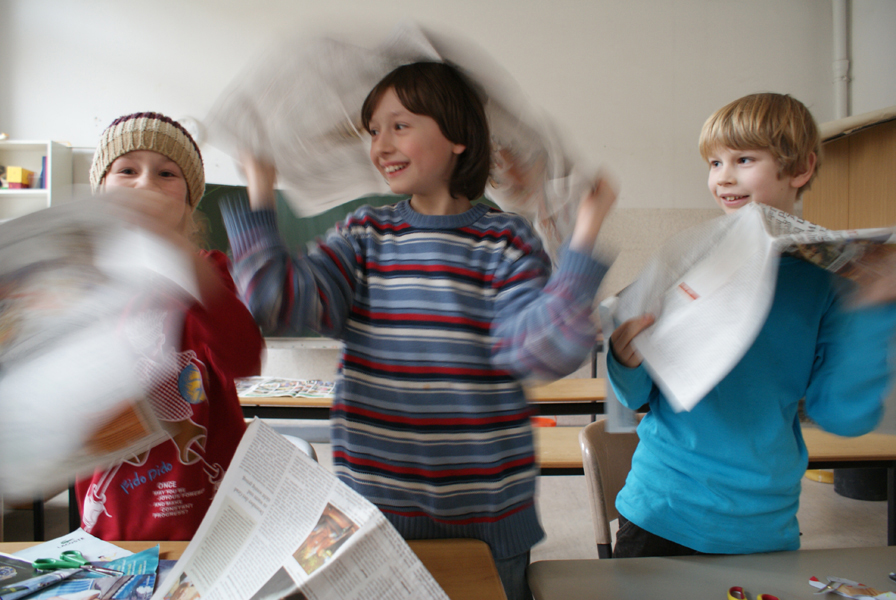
(410, 151)
(738, 177)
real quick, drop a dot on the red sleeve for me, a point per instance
(230, 330)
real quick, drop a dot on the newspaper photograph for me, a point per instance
(720, 277)
(282, 526)
(78, 286)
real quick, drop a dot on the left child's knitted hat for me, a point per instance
(150, 131)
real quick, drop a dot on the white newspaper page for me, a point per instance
(283, 526)
(299, 105)
(76, 285)
(711, 287)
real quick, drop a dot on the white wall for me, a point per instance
(630, 82)
(873, 49)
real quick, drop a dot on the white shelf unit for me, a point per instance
(27, 154)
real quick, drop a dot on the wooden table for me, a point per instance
(464, 568)
(783, 574)
(583, 396)
(559, 453)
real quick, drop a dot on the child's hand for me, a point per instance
(621, 340)
(595, 206)
(261, 176)
(878, 284)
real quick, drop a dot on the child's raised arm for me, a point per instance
(882, 289)
(261, 176)
(594, 208)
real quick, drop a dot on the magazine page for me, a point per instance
(281, 525)
(861, 255)
(79, 286)
(711, 287)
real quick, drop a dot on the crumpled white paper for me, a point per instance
(299, 107)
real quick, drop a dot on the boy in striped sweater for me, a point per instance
(443, 307)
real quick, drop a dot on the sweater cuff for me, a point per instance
(248, 230)
(632, 386)
(587, 271)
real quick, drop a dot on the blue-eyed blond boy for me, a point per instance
(725, 477)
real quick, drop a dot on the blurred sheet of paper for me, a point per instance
(710, 297)
(711, 288)
(299, 105)
(76, 283)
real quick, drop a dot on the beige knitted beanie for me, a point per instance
(150, 131)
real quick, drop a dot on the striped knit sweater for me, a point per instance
(440, 318)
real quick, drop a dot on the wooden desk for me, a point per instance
(464, 568)
(559, 453)
(783, 574)
(563, 397)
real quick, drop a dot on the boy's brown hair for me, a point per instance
(439, 91)
(778, 123)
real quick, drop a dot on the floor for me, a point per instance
(827, 519)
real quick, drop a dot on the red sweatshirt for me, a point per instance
(164, 493)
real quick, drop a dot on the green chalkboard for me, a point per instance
(296, 231)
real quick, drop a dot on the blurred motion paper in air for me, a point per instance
(299, 106)
(78, 288)
(711, 288)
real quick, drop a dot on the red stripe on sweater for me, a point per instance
(421, 421)
(467, 521)
(385, 316)
(338, 264)
(435, 473)
(429, 369)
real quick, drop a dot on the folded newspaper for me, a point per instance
(282, 526)
(711, 288)
(78, 285)
(299, 106)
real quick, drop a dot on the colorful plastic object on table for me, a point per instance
(738, 593)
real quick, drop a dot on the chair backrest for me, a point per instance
(607, 459)
(302, 445)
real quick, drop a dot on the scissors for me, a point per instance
(738, 593)
(71, 559)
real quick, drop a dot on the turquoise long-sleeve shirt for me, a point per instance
(725, 477)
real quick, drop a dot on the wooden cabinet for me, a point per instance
(856, 185)
(16, 203)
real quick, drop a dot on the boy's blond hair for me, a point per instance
(774, 122)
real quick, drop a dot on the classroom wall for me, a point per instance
(629, 83)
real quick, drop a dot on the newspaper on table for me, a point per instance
(282, 526)
(849, 589)
(711, 288)
(299, 106)
(136, 581)
(79, 285)
(278, 387)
